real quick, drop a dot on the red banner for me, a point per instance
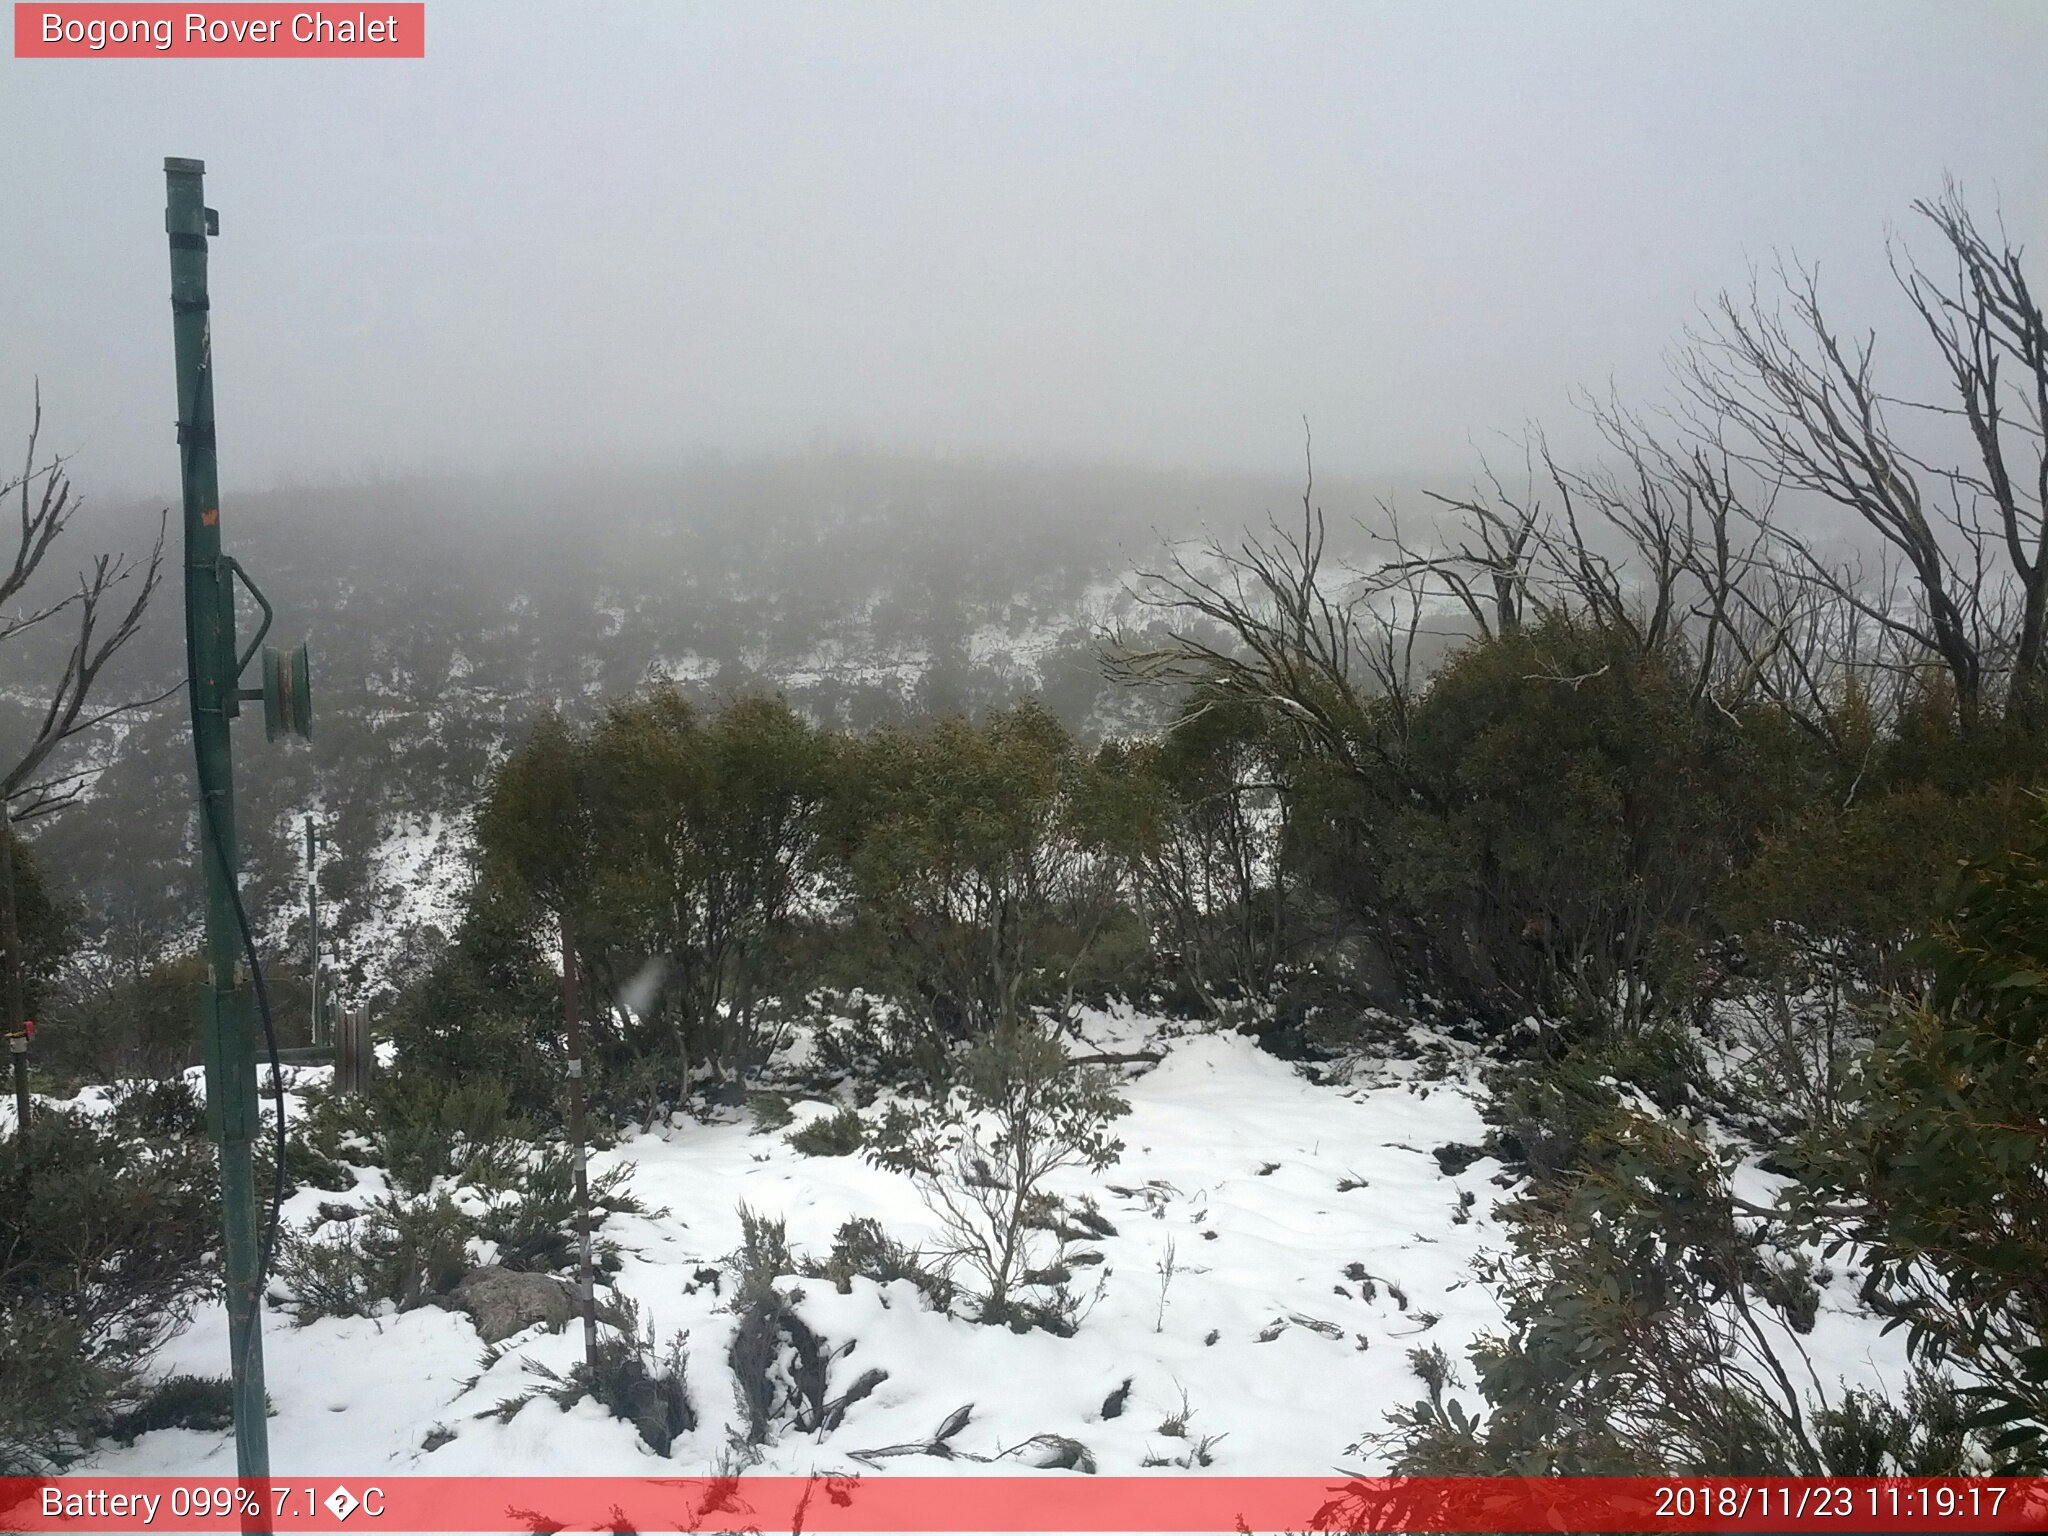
(236, 31)
(1047, 1501)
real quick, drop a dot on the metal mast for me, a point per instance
(214, 668)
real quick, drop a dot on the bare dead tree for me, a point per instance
(1653, 548)
(104, 611)
(1714, 593)
(1261, 623)
(100, 626)
(1497, 543)
(1615, 546)
(1986, 319)
(1326, 656)
(1773, 384)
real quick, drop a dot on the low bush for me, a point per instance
(642, 1384)
(403, 1250)
(53, 1392)
(769, 1111)
(104, 1241)
(176, 1402)
(463, 1130)
(836, 1135)
(763, 1256)
(420, 1130)
(1545, 1112)
(159, 1110)
(633, 1378)
(860, 1248)
(981, 1154)
(1935, 1172)
(1653, 1325)
(532, 1218)
(879, 1043)
(781, 1368)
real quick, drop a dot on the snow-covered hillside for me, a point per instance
(1280, 1245)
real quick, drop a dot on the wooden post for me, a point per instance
(586, 1285)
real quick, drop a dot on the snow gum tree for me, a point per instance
(978, 883)
(705, 828)
(677, 843)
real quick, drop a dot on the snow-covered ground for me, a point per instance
(1314, 1239)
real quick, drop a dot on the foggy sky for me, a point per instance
(1147, 233)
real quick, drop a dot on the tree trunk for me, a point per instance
(10, 932)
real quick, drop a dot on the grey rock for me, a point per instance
(501, 1302)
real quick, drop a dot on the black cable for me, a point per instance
(265, 1253)
(190, 438)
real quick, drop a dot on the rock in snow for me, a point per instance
(502, 1302)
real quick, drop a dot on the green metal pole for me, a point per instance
(313, 923)
(225, 1023)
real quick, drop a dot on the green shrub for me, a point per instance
(327, 1276)
(646, 1385)
(860, 1248)
(532, 1220)
(1546, 1114)
(103, 1249)
(1938, 1163)
(487, 1006)
(422, 1249)
(433, 1139)
(839, 1134)
(403, 1250)
(1196, 819)
(672, 842)
(781, 1368)
(177, 1402)
(762, 1257)
(314, 1170)
(1585, 811)
(1649, 1329)
(980, 876)
(159, 1110)
(705, 827)
(340, 1128)
(769, 1111)
(880, 1043)
(53, 1392)
(1928, 1433)
(1842, 893)
(463, 1129)
(46, 923)
(632, 1379)
(981, 1155)
(97, 1026)
(319, 1146)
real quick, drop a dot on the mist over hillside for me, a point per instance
(444, 614)
(1283, 738)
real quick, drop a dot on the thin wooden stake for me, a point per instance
(586, 1287)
